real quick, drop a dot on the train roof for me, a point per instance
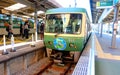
(66, 10)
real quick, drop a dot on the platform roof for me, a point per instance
(97, 13)
(42, 5)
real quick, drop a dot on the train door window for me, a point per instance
(78, 23)
(73, 23)
(87, 27)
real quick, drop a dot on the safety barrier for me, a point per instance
(22, 59)
(86, 63)
(91, 65)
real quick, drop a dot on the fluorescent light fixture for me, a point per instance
(15, 7)
(26, 16)
(38, 12)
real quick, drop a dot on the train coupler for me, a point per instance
(56, 56)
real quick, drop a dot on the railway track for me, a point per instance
(52, 68)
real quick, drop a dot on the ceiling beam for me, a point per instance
(40, 5)
(105, 13)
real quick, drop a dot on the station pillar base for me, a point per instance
(33, 45)
(4, 53)
(13, 50)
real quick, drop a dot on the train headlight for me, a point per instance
(49, 42)
(71, 44)
(75, 47)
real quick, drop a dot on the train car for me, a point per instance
(66, 32)
(16, 24)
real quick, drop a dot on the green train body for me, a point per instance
(16, 21)
(66, 29)
(72, 43)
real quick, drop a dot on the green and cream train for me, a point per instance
(66, 32)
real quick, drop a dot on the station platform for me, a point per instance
(107, 60)
(18, 39)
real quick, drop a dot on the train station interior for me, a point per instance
(59, 37)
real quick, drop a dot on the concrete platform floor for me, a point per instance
(18, 39)
(107, 61)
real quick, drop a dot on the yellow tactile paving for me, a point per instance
(16, 40)
(102, 54)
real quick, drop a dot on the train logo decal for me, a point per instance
(59, 43)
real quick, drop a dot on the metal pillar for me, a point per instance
(98, 27)
(35, 25)
(115, 23)
(108, 30)
(11, 22)
(119, 30)
(75, 3)
(101, 30)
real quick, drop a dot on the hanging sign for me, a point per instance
(104, 4)
(115, 2)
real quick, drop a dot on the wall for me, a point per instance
(20, 60)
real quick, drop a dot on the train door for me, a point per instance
(85, 30)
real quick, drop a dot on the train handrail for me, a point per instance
(91, 64)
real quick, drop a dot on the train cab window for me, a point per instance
(67, 23)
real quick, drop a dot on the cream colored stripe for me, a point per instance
(69, 35)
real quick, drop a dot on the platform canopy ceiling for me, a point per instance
(42, 5)
(96, 13)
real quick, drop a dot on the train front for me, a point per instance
(63, 32)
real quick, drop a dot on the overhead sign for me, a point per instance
(116, 2)
(104, 4)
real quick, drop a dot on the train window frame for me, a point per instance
(49, 28)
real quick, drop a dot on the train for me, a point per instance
(16, 21)
(16, 25)
(66, 33)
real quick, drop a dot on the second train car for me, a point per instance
(66, 32)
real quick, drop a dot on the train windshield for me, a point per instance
(63, 23)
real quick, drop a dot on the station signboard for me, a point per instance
(115, 2)
(104, 4)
